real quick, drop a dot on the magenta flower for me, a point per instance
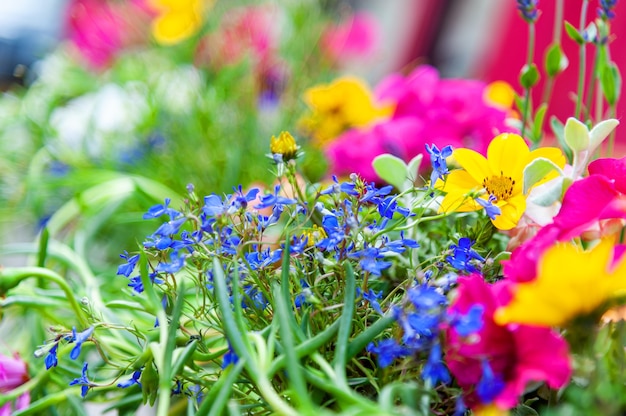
(512, 355)
(99, 29)
(428, 110)
(13, 373)
(598, 197)
(354, 38)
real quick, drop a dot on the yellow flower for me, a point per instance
(490, 410)
(177, 19)
(343, 104)
(501, 174)
(285, 145)
(570, 283)
(314, 235)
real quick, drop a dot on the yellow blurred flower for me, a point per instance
(500, 94)
(285, 145)
(500, 174)
(345, 103)
(177, 20)
(570, 283)
(490, 410)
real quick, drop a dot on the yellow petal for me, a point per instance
(507, 154)
(500, 94)
(510, 212)
(474, 163)
(171, 28)
(570, 283)
(458, 185)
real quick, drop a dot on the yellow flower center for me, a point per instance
(499, 186)
(314, 235)
(284, 145)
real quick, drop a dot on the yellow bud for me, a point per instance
(284, 145)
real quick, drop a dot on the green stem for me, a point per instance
(529, 62)
(22, 273)
(581, 63)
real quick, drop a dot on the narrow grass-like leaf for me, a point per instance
(184, 356)
(294, 370)
(43, 247)
(360, 341)
(345, 327)
(217, 397)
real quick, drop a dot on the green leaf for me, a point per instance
(538, 123)
(537, 170)
(601, 131)
(391, 169)
(523, 410)
(412, 169)
(611, 83)
(529, 76)
(559, 132)
(573, 33)
(345, 327)
(218, 395)
(576, 135)
(550, 192)
(556, 61)
(183, 355)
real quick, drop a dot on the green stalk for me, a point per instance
(17, 274)
(581, 63)
(529, 62)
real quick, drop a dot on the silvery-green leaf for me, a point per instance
(537, 170)
(600, 132)
(391, 169)
(576, 135)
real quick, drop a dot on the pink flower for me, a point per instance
(100, 29)
(353, 38)
(13, 373)
(517, 354)
(586, 204)
(428, 110)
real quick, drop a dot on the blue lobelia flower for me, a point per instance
(230, 357)
(372, 298)
(82, 381)
(161, 209)
(51, 358)
(434, 370)
(470, 322)
(528, 9)
(79, 338)
(463, 256)
(240, 201)
(438, 162)
(274, 199)
(369, 260)
(489, 385)
(133, 380)
(387, 351)
(492, 210)
(127, 268)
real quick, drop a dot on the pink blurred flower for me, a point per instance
(244, 32)
(586, 205)
(353, 38)
(438, 111)
(99, 29)
(13, 373)
(517, 354)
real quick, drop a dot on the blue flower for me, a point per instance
(528, 9)
(301, 298)
(398, 246)
(491, 210)
(133, 380)
(438, 162)
(261, 259)
(368, 260)
(161, 209)
(177, 262)
(214, 206)
(170, 227)
(470, 323)
(489, 385)
(426, 298)
(389, 206)
(274, 200)
(605, 11)
(240, 201)
(463, 256)
(434, 370)
(387, 351)
(127, 268)
(51, 358)
(253, 297)
(79, 339)
(373, 194)
(372, 298)
(82, 381)
(230, 357)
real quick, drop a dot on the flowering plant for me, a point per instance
(485, 284)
